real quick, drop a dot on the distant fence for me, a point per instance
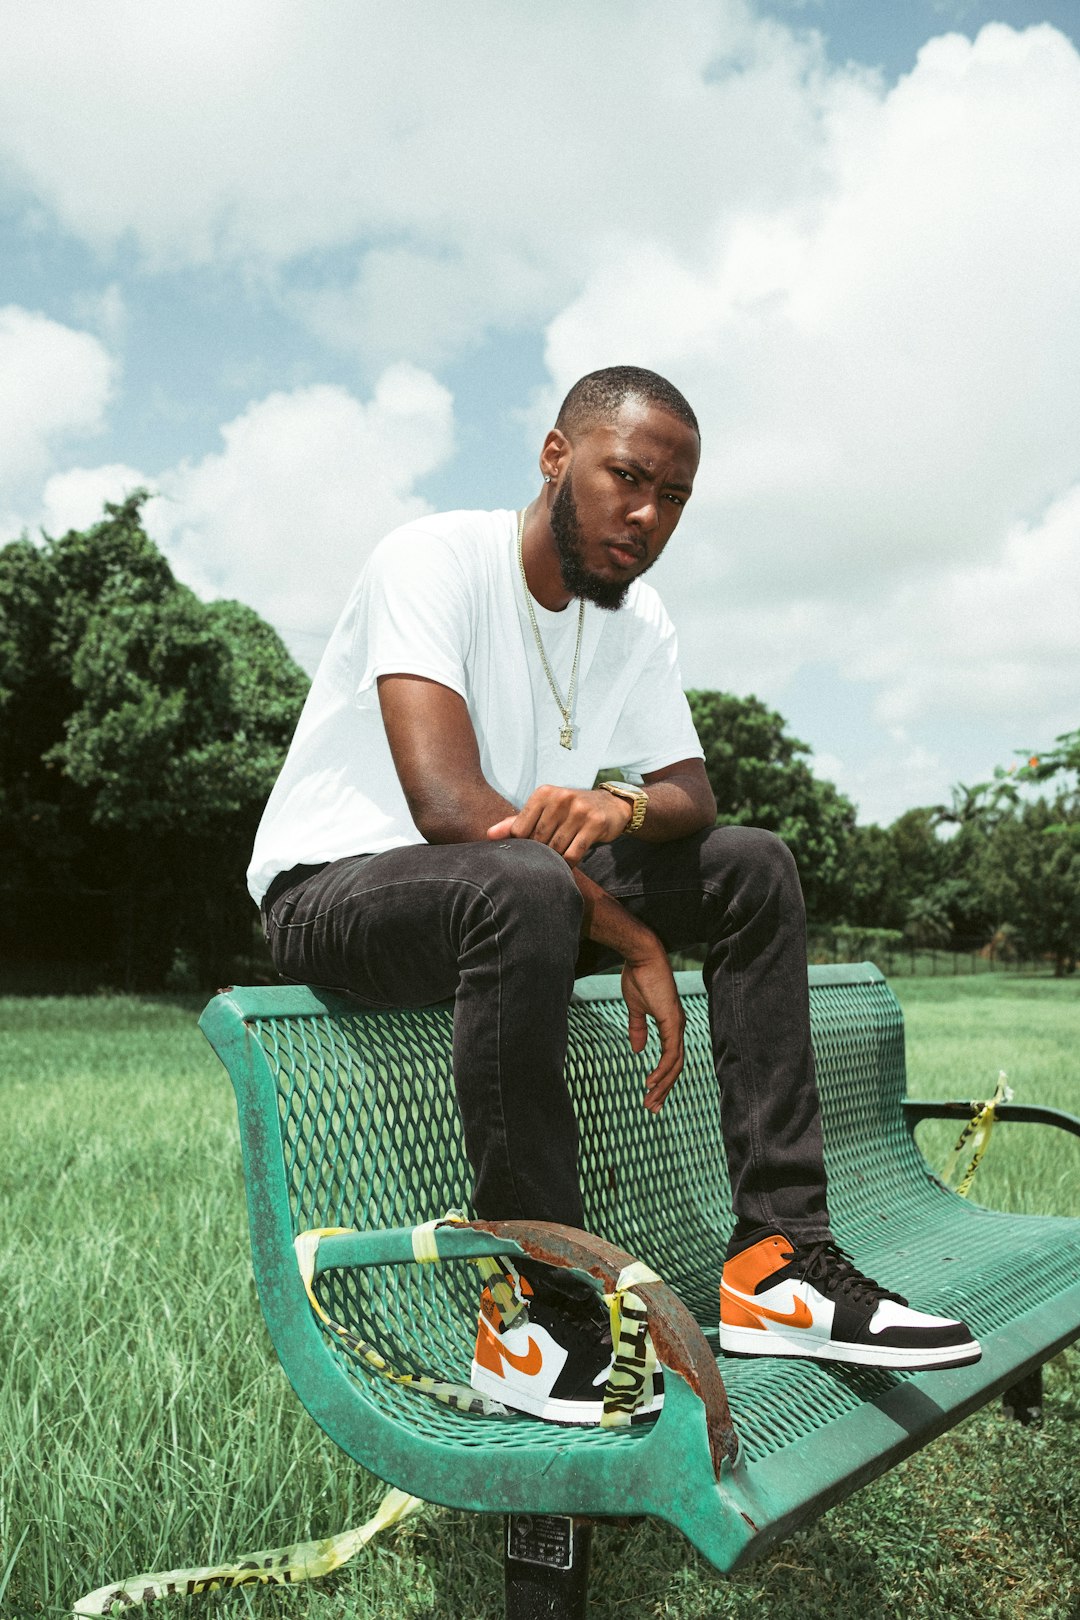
(899, 958)
(902, 962)
(896, 957)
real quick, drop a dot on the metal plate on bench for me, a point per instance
(545, 1539)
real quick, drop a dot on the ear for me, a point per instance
(555, 456)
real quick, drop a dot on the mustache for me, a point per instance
(628, 543)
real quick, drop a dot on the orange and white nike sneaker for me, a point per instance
(553, 1357)
(777, 1299)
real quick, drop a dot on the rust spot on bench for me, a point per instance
(677, 1339)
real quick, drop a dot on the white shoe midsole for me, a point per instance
(544, 1406)
(775, 1342)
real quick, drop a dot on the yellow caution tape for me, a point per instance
(635, 1275)
(629, 1383)
(460, 1396)
(281, 1566)
(425, 1245)
(975, 1136)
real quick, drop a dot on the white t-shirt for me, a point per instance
(443, 597)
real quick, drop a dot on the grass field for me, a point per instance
(144, 1423)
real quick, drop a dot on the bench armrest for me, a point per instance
(393, 1246)
(677, 1338)
(920, 1108)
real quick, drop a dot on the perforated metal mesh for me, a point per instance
(371, 1138)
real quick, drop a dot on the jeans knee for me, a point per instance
(534, 893)
(766, 869)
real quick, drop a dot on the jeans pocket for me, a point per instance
(277, 916)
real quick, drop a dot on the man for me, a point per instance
(436, 831)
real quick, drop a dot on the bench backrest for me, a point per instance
(370, 1133)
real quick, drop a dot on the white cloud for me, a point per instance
(898, 777)
(54, 383)
(284, 516)
(425, 305)
(307, 482)
(888, 379)
(996, 639)
(465, 166)
(892, 375)
(868, 294)
(75, 499)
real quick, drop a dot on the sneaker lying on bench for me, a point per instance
(552, 1357)
(777, 1299)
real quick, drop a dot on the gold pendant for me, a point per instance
(566, 735)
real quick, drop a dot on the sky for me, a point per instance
(307, 270)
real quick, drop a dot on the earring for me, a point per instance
(548, 478)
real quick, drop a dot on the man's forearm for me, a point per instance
(437, 760)
(458, 814)
(606, 922)
(648, 985)
(678, 806)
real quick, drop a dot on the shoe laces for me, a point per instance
(826, 1263)
(592, 1325)
(588, 1316)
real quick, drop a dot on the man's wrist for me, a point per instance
(638, 948)
(607, 922)
(622, 809)
(635, 798)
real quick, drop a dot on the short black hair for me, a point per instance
(599, 396)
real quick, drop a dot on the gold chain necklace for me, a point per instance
(566, 731)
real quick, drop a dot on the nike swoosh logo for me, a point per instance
(530, 1363)
(800, 1317)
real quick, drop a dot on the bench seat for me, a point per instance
(348, 1120)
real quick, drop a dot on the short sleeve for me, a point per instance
(414, 615)
(655, 727)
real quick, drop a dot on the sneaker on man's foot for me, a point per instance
(553, 1361)
(777, 1299)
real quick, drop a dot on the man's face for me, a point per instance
(619, 499)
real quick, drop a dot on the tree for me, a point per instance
(928, 922)
(919, 874)
(1030, 872)
(981, 806)
(1062, 759)
(889, 868)
(142, 732)
(761, 778)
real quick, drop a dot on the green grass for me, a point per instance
(144, 1423)
(960, 1034)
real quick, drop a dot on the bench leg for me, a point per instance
(546, 1564)
(1023, 1401)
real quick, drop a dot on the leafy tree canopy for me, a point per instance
(142, 730)
(1063, 758)
(1030, 872)
(761, 778)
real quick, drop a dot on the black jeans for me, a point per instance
(497, 926)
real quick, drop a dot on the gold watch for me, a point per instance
(636, 797)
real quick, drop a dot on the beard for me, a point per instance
(579, 580)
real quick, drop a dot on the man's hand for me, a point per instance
(573, 820)
(648, 984)
(648, 987)
(569, 820)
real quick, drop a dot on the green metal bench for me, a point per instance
(348, 1119)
